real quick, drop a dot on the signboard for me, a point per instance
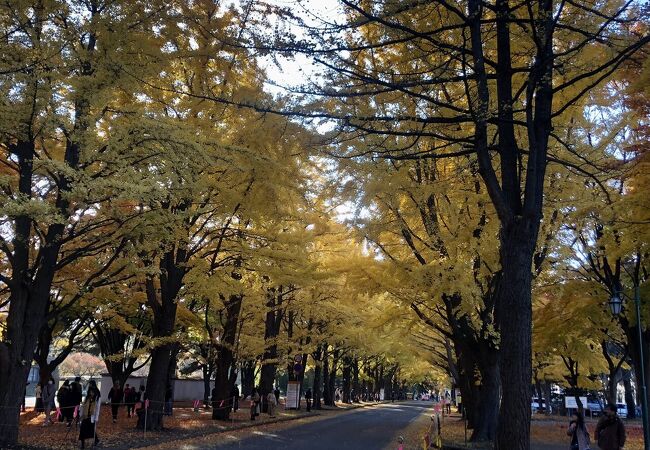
(293, 395)
(570, 402)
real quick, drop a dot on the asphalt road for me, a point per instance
(363, 429)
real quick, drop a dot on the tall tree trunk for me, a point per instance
(225, 360)
(271, 331)
(247, 377)
(489, 395)
(331, 381)
(328, 395)
(317, 388)
(629, 395)
(163, 304)
(356, 387)
(514, 316)
(633, 344)
(347, 379)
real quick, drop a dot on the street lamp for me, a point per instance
(616, 305)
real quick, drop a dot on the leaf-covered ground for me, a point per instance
(186, 425)
(547, 433)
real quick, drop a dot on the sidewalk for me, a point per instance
(185, 424)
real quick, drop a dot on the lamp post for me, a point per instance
(616, 305)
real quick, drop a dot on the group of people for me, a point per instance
(609, 433)
(68, 396)
(272, 402)
(127, 396)
(70, 399)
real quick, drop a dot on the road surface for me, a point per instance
(363, 429)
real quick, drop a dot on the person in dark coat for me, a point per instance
(48, 395)
(76, 392)
(116, 397)
(610, 431)
(130, 397)
(277, 395)
(308, 399)
(64, 397)
(89, 417)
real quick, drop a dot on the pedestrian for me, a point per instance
(141, 407)
(276, 392)
(578, 432)
(130, 396)
(308, 399)
(271, 403)
(448, 403)
(89, 417)
(169, 401)
(115, 396)
(610, 431)
(234, 396)
(92, 386)
(255, 398)
(38, 393)
(64, 397)
(48, 395)
(76, 393)
(142, 394)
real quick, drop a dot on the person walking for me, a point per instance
(38, 393)
(64, 397)
(76, 393)
(115, 396)
(130, 397)
(610, 431)
(308, 399)
(276, 392)
(578, 432)
(271, 403)
(255, 399)
(89, 417)
(48, 395)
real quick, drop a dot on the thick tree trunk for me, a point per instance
(271, 331)
(514, 317)
(317, 388)
(356, 388)
(225, 360)
(347, 379)
(247, 377)
(629, 395)
(331, 380)
(157, 385)
(328, 396)
(16, 355)
(633, 343)
(489, 394)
